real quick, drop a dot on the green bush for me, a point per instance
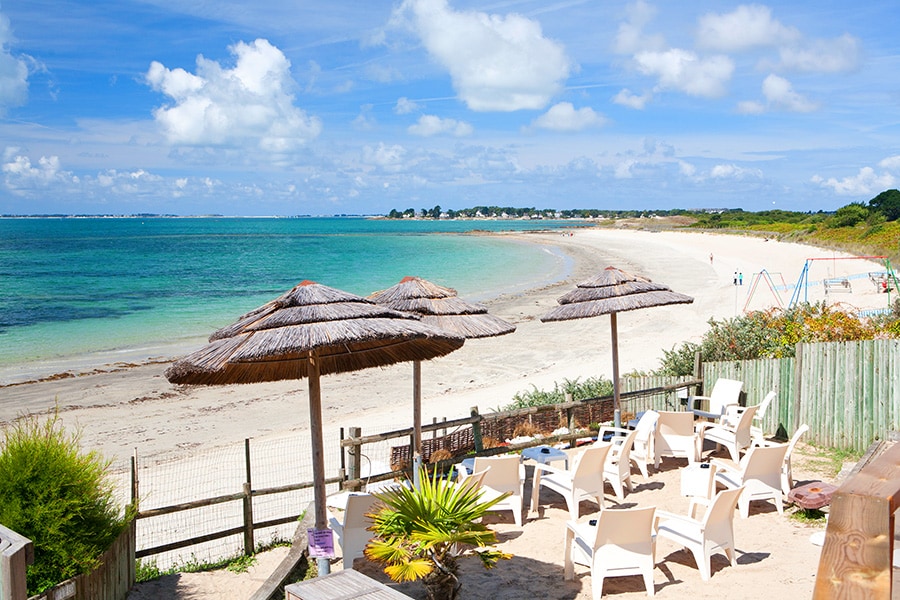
(58, 497)
(592, 387)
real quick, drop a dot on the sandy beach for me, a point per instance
(118, 409)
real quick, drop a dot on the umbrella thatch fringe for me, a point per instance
(585, 293)
(612, 276)
(441, 307)
(596, 308)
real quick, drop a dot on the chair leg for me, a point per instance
(744, 505)
(702, 560)
(648, 582)
(597, 583)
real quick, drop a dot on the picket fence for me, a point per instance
(847, 392)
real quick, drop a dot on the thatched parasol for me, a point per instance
(309, 331)
(613, 291)
(441, 307)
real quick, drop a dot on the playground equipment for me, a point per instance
(765, 277)
(840, 284)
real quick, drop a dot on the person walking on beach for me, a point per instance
(734, 280)
(740, 278)
(710, 258)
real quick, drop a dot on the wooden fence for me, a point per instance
(16, 553)
(847, 392)
(111, 580)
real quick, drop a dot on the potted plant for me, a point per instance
(422, 533)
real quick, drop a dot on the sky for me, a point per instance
(311, 107)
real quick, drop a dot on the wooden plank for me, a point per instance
(857, 555)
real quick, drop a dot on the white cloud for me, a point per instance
(249, 103)
(839, 55)
(564, 117)
(21, 174)
(497, 63)
(891, 163)
(733, 172)
(405, 106)
(627, 98)
(429, 125)
(865, 183)
(630, 37)
(686, 168)
(684, 71)
(13, 72)
(779, 92)
(748, 26)
(389, 158)
(751, 107)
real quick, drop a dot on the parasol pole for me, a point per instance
(617, 415)
(417, 421)
(318, 456)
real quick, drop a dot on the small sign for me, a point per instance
(321, 543)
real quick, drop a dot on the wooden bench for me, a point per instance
(841, 284)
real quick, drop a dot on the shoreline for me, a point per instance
(128, 407)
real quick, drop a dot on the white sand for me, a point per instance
(120, 410)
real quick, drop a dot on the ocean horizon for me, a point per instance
(84, 292)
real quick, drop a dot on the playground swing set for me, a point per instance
(885, 281)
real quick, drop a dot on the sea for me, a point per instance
(78, 293)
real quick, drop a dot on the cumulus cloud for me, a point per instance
(564, 117)
(252, 102)
(631, 100)
(429, 125)
(891, 163)
(390, 158)
(865, 183)
(780, 95)
(630, 37)
(497, 63)
(13, 72)
(686, 72)
(405, 106)
(21, 174)
(748, 26)
(839, 55)
(733, 172)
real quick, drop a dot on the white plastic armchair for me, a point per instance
(758, 473)
(620, 542)
(503, 475)
(787, 478)
(582, 481)
(757, 430)
(736, 438)
(352, 528)
(617, 466)
(675, 436)
(704, 537)
(642, 453)
(725, 393)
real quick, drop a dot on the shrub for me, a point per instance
(592, 387)
(58, 497)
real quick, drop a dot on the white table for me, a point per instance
(545, 455)
(345, 584)
(698, 479)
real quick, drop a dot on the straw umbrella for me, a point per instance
(610, 292)
(309, 331)
(442, 308)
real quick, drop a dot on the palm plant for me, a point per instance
(421, 533)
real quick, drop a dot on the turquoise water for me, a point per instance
(81, 292)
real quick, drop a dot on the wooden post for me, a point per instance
(476, 430)
(354, 467)
(857, 555)
(249, 544)
(16, 553)
(570, 413)
(797, 388)
(135, 491)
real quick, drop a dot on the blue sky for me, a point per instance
(312, 107)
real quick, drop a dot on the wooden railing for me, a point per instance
(856, 560)
(16, 553)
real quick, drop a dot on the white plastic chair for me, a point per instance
(582, 481)
(757, 431)
(758, 473)
(353, 529)
(504, 475)
(704, 537)
(642, 453)
(725, 393)
(675, 436)
(736, 438)
(617, 466)
(787, 478)
(620, 543)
